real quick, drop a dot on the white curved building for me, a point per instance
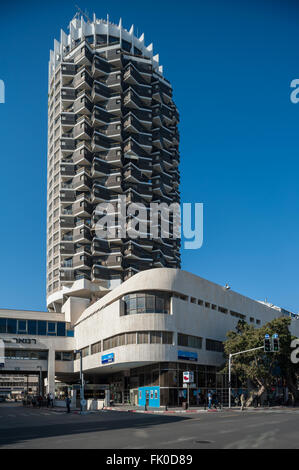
(139, 337)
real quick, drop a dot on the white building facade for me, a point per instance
(141, 335)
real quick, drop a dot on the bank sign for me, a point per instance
(108, 358)
(188, 377)
(187, 356)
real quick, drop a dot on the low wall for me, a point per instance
(60, 403)
(93, 404)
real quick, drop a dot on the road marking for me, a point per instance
(180, 439)
(266, 423)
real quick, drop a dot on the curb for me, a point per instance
(162, 412)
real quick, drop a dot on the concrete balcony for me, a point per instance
(68, 120)
(68, 94)
(67, 170)
(83, 105)
(82, 261)
(67, 248)
(82, 156)
(82, 80)
(83, 131)
(67, 145)
(82, 208)
(100, 67)
(67, 222)
(100, 168)
(82, 234)
(67, 196)
(82, 182)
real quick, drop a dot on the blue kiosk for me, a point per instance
(149, 397)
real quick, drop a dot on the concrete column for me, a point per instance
(73, 398)
(51, 372)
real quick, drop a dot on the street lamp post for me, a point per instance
(40, 380)
(229, 370)
(79, 351)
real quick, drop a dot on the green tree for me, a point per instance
(258, 366)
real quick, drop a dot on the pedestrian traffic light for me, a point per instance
(275, 343)
(267, 343)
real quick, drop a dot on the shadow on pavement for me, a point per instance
(108, 421)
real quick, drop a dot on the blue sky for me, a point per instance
(230, 64)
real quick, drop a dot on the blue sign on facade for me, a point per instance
(107, 358)
(187, 356)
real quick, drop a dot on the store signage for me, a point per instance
(25, 340)
(187, 356)
(108, 358)
(188, 377)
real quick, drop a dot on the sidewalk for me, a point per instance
(134, 409)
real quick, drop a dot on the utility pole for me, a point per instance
(40, 380)
(229, 370)
(79, 351)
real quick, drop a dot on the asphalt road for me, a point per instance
(27, 428)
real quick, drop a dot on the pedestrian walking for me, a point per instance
(209, 400)
(48, 400)
(51, 399)
(68, 404)
(243, 401)
(39, 400)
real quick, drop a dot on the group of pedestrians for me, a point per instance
(39, 401)
(213, 401)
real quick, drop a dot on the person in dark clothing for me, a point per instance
(48, 400)
(68, 404)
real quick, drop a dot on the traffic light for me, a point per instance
(275, 343)
(267, 343)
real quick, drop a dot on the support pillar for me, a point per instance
(51, 372)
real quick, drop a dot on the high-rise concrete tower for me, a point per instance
(112, 130)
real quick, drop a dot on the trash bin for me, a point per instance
(185, 405)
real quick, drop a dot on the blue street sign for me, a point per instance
(267, 336)
(275, 335)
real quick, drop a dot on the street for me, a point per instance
(27, 428)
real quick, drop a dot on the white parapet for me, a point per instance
(79, 29)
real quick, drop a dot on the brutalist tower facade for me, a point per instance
(112, 131)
